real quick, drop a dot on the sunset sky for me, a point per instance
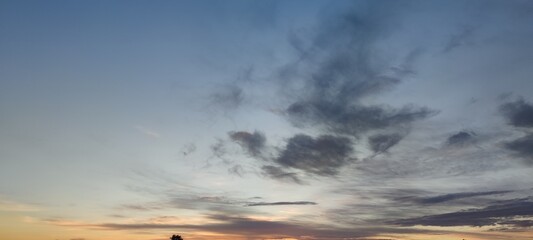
(256, 120)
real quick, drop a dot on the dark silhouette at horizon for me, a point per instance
(176, 237)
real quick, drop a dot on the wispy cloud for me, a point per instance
(280, 203)
(463, 37)
(146, 131)
(451, 197)
(281, 174)
(229, 97)
(382, 142)
(13, 206)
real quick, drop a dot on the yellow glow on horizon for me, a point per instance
(18, 226)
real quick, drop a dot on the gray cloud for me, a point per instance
(522, 147)
(335, 74)
(236, 170)
(491, 215)
(455, 196)
(377, 205)
(280, 174)
(280, 203)
(382, 142)
(461, 138)
(142, 207)
(518, 113)
(188, 149)
(342, 118)
(327, 89)
(323, 155)
(518, 223)
(229, 97)
(253, 143)
(461, 38)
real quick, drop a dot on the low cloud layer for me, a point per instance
(491, 215)
(254, 228)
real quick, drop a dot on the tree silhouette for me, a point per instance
(176, 237)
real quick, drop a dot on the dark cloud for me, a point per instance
(522, 147)
(142, 207)
(280, 203)
(461, 138)
(379, 206)
(280, 174)
(491, 215)
(518, 113)
(518, 223)
(353, 119)
(323, 155)
(253, 143)
(455, 196)
(335, 74)
(382, 142)
(328, 87)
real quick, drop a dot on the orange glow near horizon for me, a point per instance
(20, 227)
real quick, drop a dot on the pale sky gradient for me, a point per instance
(266, 120)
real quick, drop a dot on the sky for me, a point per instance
(256, 120)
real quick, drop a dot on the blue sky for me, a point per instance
(266, 119)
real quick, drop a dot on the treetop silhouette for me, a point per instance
(176, 237)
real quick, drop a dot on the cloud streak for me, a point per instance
(456, 196)
(491, 215)
(382, 142)
(280, 174)
(280, 203)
